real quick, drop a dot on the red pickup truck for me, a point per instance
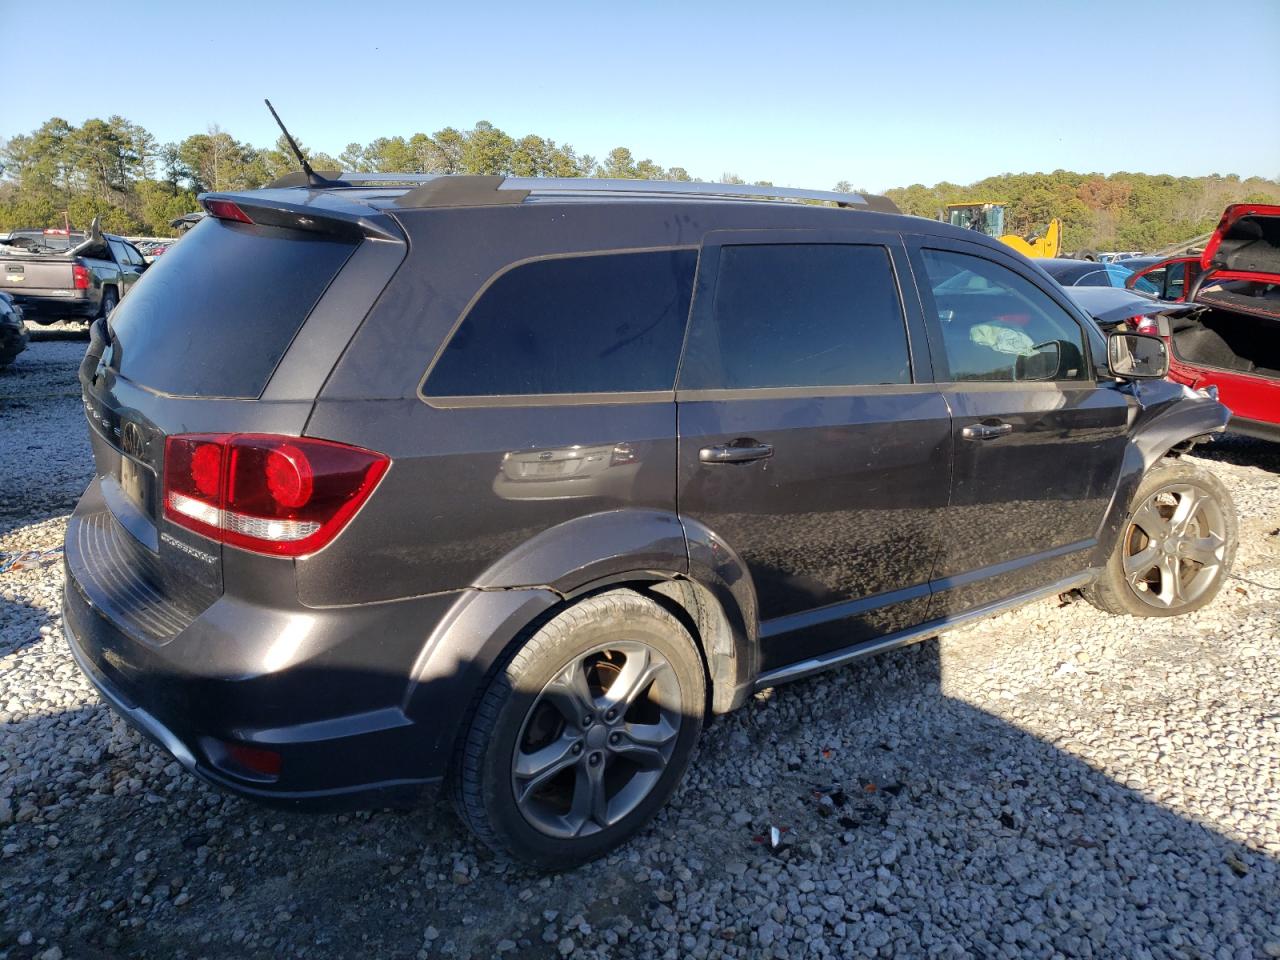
(1233, 341)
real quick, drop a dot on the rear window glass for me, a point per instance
(214, 315)
(800, 315)
(606, 323)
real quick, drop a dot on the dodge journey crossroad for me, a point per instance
(507, 485)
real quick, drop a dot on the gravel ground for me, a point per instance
(1054, 782)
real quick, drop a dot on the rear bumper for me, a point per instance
(52, 307)
(325, 690)
(315, 772)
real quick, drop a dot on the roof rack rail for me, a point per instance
(457, 190)
(688, 189)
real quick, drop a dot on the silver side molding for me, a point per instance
(838, 658)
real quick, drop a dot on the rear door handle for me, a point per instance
(740, 451)
(986, 431)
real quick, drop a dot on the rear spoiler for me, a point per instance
(279, 208)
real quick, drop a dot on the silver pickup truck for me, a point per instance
(58, 275)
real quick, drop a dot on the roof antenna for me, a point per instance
(313, 179)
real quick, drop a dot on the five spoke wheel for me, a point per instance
(1174, 546)
(596, 740)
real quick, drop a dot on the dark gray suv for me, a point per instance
(509, 484)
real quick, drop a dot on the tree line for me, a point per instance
(116, 169)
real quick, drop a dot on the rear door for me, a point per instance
(1038, 439)
(811, 440)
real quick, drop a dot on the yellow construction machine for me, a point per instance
(988, 218)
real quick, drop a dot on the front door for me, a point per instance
(811, 440)
(1038, 439)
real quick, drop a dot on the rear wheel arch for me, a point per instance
(485, 629)
(678, 561)
(728, 655)
(679, 564)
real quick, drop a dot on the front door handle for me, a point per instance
(740, 451)
(986, 431)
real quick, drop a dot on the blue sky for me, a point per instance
(881, 94)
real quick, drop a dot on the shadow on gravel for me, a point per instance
(20, 623)
(923, 824)
(1242, 452)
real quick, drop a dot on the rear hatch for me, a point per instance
(194, 349)
(1241, 262)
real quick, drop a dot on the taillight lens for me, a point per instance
(80, 276)
(226, 210)
(287, 496)
(1146, 325)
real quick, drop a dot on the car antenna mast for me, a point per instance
(313, 178)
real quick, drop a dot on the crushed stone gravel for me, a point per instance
(1054, 782)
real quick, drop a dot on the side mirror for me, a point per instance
(1136, 356)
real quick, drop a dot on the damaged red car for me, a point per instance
(1232, 341)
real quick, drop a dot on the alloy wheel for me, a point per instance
(597, 740)
(1175, 546)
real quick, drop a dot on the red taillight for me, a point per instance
(1146, 325)
(287, 496)
(226, 210)
(80, 276)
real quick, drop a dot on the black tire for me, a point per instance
(1113, 591)
(109, 301)
(484, 778)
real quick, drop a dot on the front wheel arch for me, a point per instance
(1111, 591)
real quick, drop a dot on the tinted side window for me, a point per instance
(607, 323)
(800, 315)
(118, 251)
(998, 326)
